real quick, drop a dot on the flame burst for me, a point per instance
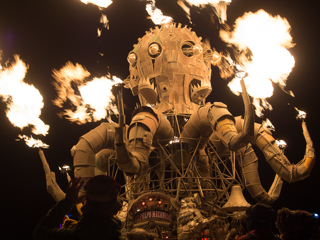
(263, 41)
(90, 100)
(100, 3)
(24, 101)
(156, 14)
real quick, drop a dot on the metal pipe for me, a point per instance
(52, 186)
(224, 123)
(217, 117)
(147, 126)
(197, 126)
(90, 144)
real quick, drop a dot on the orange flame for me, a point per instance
(24, 101)
(266, 39)
(219, 6)
(31, 142)
(267, 124)
(210, 2)
(301, 114)
(100, 3)
(156, 14)
(105, 21)
(90, 100)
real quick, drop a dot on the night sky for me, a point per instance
(47, 34)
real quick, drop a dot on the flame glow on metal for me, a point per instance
(156, 14)
(100, 3)
(64, 169)
(90, 100)
(175, 140)
(24, 101)
(31, 142)
(281, 144)
(263, 41)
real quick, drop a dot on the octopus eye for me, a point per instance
(187, 48)
(154, 50)
(190, 49)
(197, 49)
(132, 58)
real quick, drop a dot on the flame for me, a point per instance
(24, 101)
(210, 2)
(105, 22)
(219, 6)
(267, 124)
(301, 114)
(31, 142)
(100, 3)
(90, 100)
(156, 14)
(266, 39)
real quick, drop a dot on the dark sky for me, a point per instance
(48, 33)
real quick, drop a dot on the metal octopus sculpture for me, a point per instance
(179, 152)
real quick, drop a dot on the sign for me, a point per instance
(152, 214)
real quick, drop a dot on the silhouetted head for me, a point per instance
(297, 224)
(260, 216)
(102, 195)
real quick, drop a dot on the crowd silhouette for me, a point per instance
(99, 205)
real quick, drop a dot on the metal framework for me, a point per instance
(174, 172)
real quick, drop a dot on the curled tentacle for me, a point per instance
(216, 118)
(90, 144)
(275, 157)
(197, 126)
(279, 162)
(247, 132)
(224, 123)
(249, 164)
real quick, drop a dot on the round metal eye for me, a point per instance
(197, 49)
(154, 50)
(132, 58)
(187, 48)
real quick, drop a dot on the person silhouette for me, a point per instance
(259, 220)
(96, 222)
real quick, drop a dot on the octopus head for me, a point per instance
(170, 65)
